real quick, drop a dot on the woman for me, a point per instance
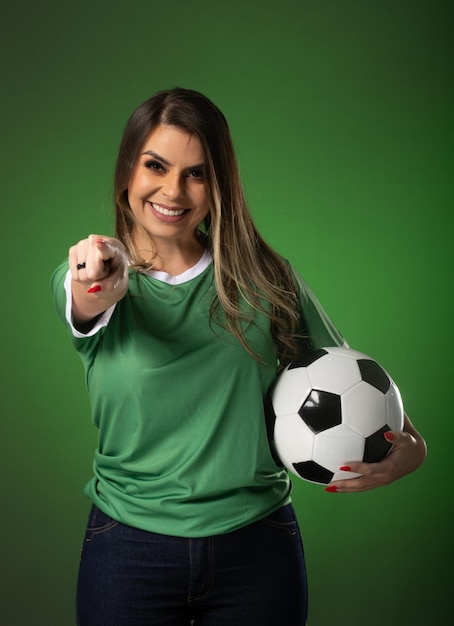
(182, 321)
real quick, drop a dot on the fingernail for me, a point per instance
(94, 289)
(331, 489)
(100, 241)
(389, 436)
(345, 468)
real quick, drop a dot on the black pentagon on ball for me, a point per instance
(376, 447)
(306, 358)
(374, 374)
(321, 410)
(310, 470)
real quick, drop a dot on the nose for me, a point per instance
(172, 186)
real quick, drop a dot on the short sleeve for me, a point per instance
(316, 328)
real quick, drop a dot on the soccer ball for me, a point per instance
(331, 407)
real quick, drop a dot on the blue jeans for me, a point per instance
(252, 576)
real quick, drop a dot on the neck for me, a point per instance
(170, 256)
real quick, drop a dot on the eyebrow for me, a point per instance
(156, 156)
(160, 158)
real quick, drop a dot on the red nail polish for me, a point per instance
(345, 468)
(331, 489)
(94, 289)
(100, 241)
(389, 436)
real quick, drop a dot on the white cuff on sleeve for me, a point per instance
(103, 320)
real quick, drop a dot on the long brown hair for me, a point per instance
(245, 267)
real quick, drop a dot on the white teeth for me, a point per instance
(168, 212)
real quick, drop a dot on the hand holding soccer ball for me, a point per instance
(329, 414)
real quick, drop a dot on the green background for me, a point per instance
(342, 116)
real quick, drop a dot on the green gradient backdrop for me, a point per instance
(342, 116)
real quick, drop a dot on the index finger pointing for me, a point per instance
(106, 249)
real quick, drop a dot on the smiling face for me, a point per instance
(167, 189)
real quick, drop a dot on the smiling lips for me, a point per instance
(163, 210)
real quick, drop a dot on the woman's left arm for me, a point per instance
(407, 454)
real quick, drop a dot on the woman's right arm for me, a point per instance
(101, 282)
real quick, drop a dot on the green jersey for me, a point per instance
(179, 404)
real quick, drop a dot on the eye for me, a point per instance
(195, 173)
(154, 165)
